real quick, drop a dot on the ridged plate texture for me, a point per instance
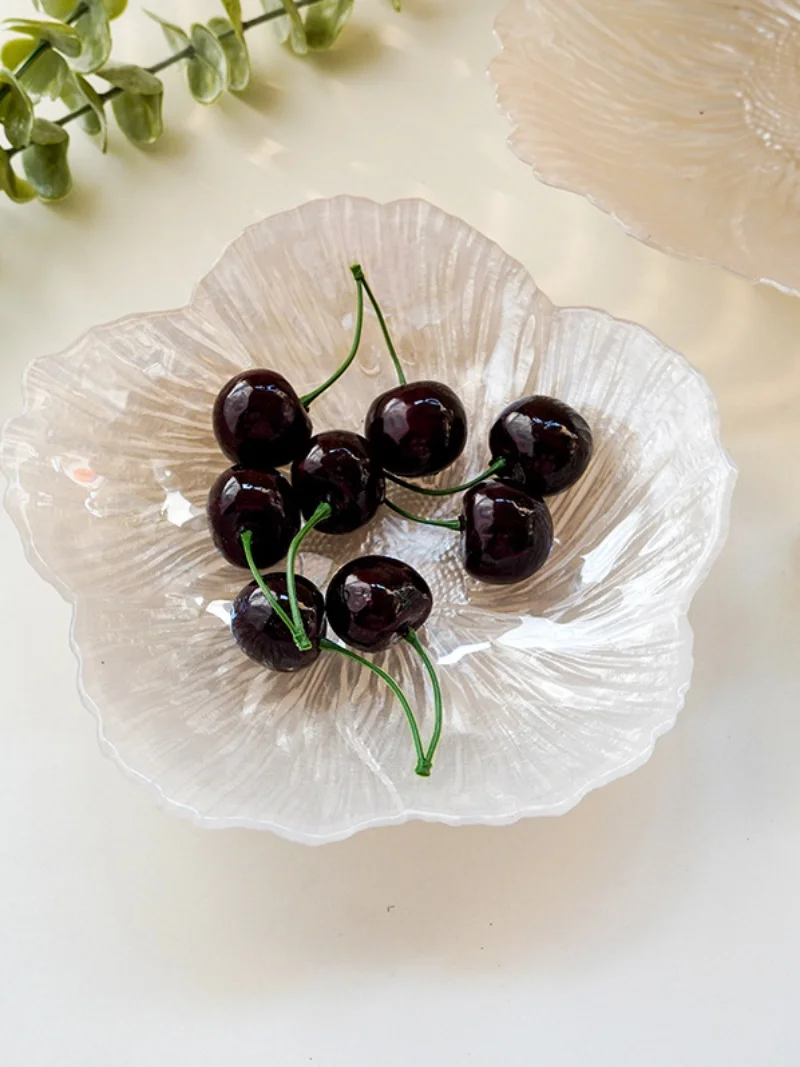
(679, 117)
(551, 687)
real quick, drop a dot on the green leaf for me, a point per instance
(44, 77)
(325, 21)
(139, 116)
(76, 93)
(95, 35)
(15, 188)
(45, 161)
(57, 9)
(132, 79)
(15, 51)
(64, 39)
(207, 70)
(16, 111)
(397, 5)
(62, 9)
(289, 29)
(235, 51)
(233, 9)
(177, 38)
(115, 8)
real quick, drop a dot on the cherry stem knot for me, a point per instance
(272, 600)
(413, 640)
(423, 767)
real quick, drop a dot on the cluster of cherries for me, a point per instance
(538, 446)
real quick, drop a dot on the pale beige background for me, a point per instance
(657, 923)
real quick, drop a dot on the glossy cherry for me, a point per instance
(374, 601)
(506, 535)
(260, 501)
(339, 469)
(263, 636)
(259, 421)
(416, 429)
(546, 444)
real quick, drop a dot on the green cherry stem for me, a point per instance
(272, 600)
(413, 640)
(309, 398)
(498, 465)
(322, 512)
(358, 274)
(448, 524)
(423, 767)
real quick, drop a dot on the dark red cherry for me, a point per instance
(263, 636)
(374, 601)
(339, 469)
(417, 429)
(545, 443)
(259, 421)
(260, 501)
(506, 535)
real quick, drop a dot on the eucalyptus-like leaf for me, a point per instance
(325, 21)
(62, 9)
(15, 51)
(235, 51)
(207, 70)
(16, 188)
(46, 74)
(138, 108)
(177, 38)
(233, 9)
(57, 9)
(64, 39)
(45, 161)
(77, 93)
(115, 7)
(16, 111)
(290, 28)
(95, 33)
(132, 79)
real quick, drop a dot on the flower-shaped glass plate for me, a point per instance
(551, 687)
(679, 117)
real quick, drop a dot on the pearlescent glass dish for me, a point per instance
(679, 117)
(551, 687)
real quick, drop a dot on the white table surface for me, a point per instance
(658, 923)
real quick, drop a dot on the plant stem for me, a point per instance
(448, 524)
(309, 398)
(358, 274)
(495, 467)
(322, 512)
(176, 57)
(423, 767)
(412, 638)
(272, 600)
(40, 49)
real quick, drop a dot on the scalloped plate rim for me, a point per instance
(16, 511)
(630, 228)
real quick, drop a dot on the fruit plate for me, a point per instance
(551, 687)
(679, 119)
